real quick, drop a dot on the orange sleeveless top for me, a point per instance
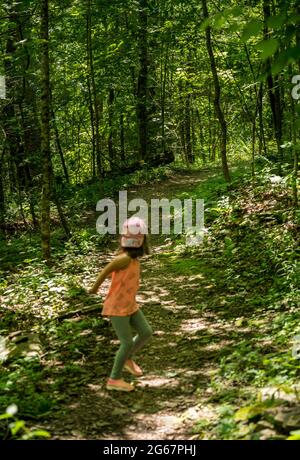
(120, 300)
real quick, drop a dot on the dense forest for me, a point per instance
(165, 99)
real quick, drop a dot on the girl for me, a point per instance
(120, 304)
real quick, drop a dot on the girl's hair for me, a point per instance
(138, 252)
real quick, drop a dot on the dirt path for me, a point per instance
(177, 363)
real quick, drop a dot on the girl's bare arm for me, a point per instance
(120, 262)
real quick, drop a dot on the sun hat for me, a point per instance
(133, 232)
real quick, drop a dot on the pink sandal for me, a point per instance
(133, 368)
(119, 385)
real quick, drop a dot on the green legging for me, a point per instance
(129, 345)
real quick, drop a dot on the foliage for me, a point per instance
(18, 429)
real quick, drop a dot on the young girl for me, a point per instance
(120, 304)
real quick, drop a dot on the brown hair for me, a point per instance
(138, 252)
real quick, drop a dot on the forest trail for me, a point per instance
(177, 362)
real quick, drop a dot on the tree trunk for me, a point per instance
(122, 138)
(181, 122)
(2, 196)
(296, 160)
(253, 145)
(58, 146)
(163, 79)
(262, 140)
(45, 130)
(273, 89)
(201, 137)
(142, 84)
(61, 214)
(91, 109)
(217, 103)
(295, 130)
(95, 99)
(111, 152)
(11, 129)
(187, 126)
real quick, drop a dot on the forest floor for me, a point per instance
(218, 365)
(167, 401)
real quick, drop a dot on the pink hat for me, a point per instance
(133, 232)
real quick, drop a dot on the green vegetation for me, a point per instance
(181, 99)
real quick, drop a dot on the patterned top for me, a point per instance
(120, 300)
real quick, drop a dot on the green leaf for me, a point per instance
(294, 436)
(219, 20)
(267, 47)
(253, 28)
(236, 11)
(206, 23)
(284, 58)
(233, 28)
(36, 434)
(294, 19)
(276, 22)
(4, 416)
(16, 426)
(248, 412)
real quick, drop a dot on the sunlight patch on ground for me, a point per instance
(288, 393)
(100, 338)
(217, 346)
(155, 382)
(161, 426)
(173, 307)
(192, 413)
(159, 333)
(145, 301)
(192, 325)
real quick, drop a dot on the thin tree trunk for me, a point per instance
(213, 142)
(253, 145)
(201, 137)
(122, 138)
(11, 129)
(187, 127)
(142, 85)
(181, 123)
(2, 196)
(91, 109)
(209, 124)
(163, 96)
(217, 95)
(20, 199)
(111, 151)
(94, 91)
(273, 89)
(61, 214)
(295, 138)
(295, 143)
(193, 133)
(58, 145)
(262, 139)
(45, 130)
(296, 161)
(18, 146)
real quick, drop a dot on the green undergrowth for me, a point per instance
(245, 274)
(38, 385)
(247, 268)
